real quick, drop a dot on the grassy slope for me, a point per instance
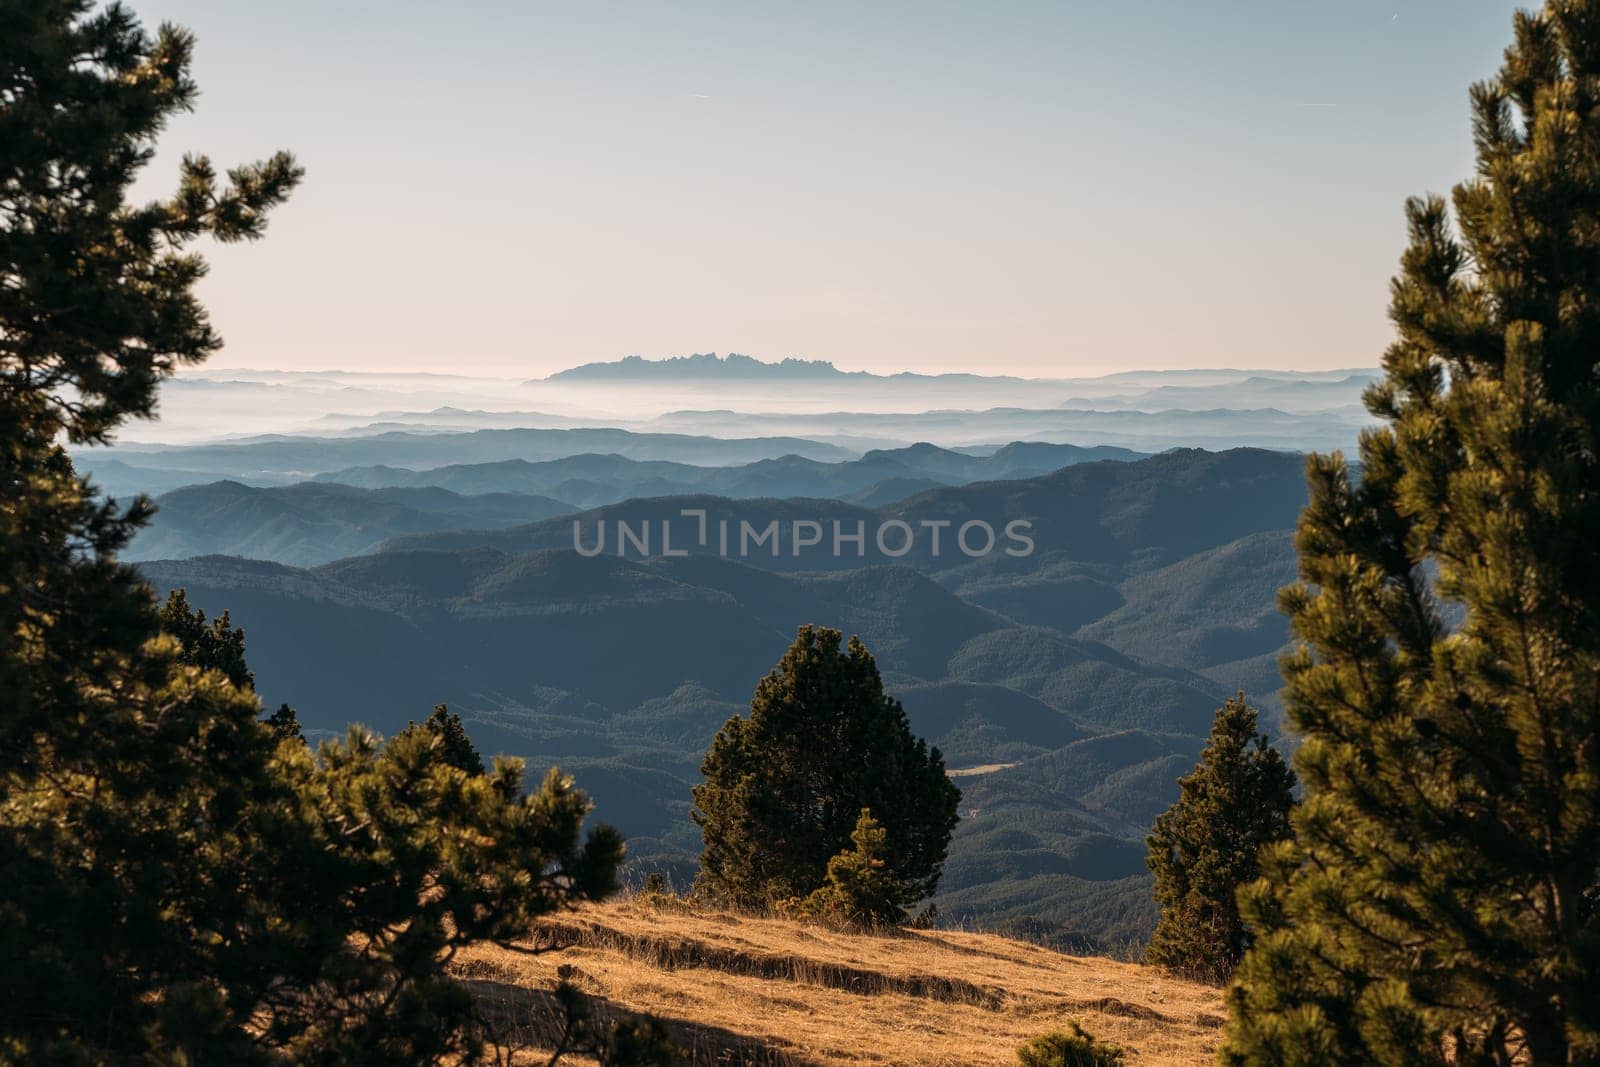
(743, 990)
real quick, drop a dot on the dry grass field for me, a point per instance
(739, 990)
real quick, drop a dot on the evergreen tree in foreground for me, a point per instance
(219, 646)
(1438, 904)
(176, 885)
(784, 787)
(285, 723)
(445, 729)
(860, 889)
(215, 646)
(1207, 845)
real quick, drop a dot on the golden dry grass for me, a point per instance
(743, 990)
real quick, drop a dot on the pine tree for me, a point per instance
(285, 723)
(1207, 845)
(1438, 902)
(178, 885)
(784, 787)
(121, 770)
(393, 861)
(860, 889)
(445, 729)
(217, 646)
(1072, 1047)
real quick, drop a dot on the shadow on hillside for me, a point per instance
(532, 1019)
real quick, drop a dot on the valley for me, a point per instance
(1082, 676)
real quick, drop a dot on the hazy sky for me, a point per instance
(1038, 188)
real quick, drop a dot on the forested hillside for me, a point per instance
(1073, 685)
(312, 522)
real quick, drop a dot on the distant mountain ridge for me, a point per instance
(317, 522)
(209, 405)
(879, 476)
(353, 511)
(282, 458)
(698, 365)
(1100, 512)
(708, 366)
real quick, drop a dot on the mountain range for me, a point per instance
(316, 522)
(1217, 424)
(1070, 686)
(1143, 410)
(593, 479)
(708, 366)
(347, 512)
(282, 458)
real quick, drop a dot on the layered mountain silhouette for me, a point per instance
(593, 479)
(701, 365)
(314, 522)
(1072, 685)
(278, 458)
(741, 397)
(710, 367)
(1091, 513)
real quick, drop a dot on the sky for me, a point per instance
(1044, 189)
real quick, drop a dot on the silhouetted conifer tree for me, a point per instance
(1207, 845)
(218, 646)
(785, 785)
(455, 747)
(285, 723)
(214, 646)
